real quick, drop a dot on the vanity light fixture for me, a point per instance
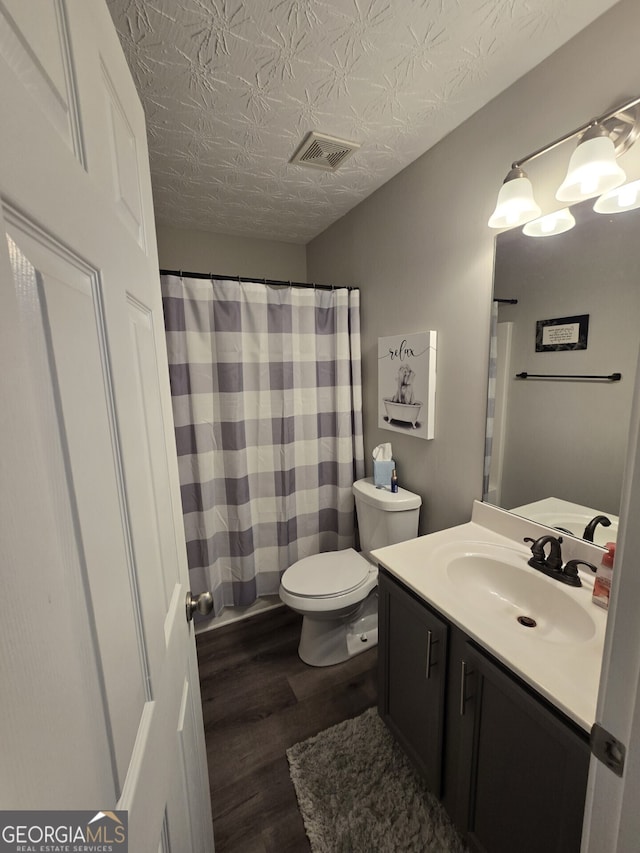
(516, 204)
(619, 200)
(593, 168)
(553, 223)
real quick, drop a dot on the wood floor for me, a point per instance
(258, 700)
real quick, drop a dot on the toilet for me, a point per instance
(336, 591)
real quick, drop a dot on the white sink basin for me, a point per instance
(504, 587)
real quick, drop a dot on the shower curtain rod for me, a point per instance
(239, 278)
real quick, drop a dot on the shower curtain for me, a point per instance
(491, 402)
(267, 401)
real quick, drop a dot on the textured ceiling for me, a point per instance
(230, 88)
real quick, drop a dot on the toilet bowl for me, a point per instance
(336, 591)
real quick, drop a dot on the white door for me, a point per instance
(100, 705)
(612, 816)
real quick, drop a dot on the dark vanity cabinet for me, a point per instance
(522, 769)
(510, 769)
(412, 679)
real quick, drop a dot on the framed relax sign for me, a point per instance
(407, 383)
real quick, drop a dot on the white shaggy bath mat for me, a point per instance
(358, 793)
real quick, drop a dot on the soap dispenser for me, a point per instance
(602, 585)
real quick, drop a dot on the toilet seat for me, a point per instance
(326, 575)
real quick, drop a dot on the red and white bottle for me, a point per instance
(602, 584)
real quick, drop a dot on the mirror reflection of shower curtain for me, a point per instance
(499, 378)
(267, 402)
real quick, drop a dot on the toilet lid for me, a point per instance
(325, 575)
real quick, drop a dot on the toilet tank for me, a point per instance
(384, 517)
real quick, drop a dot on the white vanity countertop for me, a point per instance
(564, 671)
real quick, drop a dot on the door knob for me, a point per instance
(203, 603)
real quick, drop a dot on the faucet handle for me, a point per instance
(536, 548)
(570, 571)
(571, 566)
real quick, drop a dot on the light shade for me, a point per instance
(515, 204)
(553, 223)
(593, 169)
(626, 197)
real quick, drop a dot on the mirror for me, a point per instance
(559, 444)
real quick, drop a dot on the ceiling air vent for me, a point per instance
(323, 152)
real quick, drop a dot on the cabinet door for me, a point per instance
(526, 768)
(412, 671)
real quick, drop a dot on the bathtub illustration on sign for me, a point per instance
(407, 413)
(406, 382)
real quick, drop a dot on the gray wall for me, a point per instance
(568, 439)
(421, 252)
(223, 254)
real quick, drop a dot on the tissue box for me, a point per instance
(382, 472)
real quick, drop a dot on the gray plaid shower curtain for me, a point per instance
(267, 403)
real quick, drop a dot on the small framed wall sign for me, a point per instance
(407, 383)
(562, 333)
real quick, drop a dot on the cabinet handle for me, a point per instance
(464, 672)
(428, 663)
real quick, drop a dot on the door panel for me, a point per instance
(49, 659)
(124, 161)
(37, 49)
(68, 298)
